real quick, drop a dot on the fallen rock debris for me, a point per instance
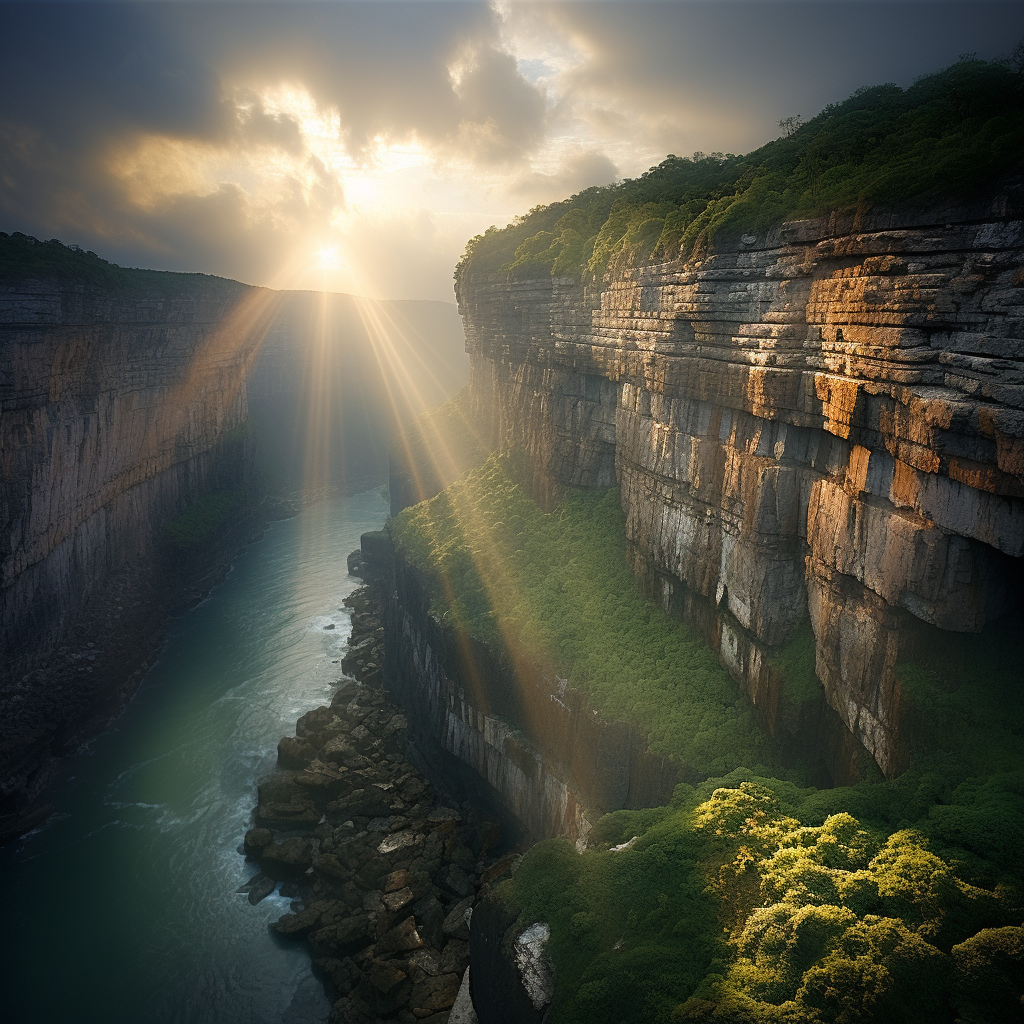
(384, 878)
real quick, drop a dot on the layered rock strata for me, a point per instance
(550, 760)
(125, 396)
(385, 875)
(117, 408)
(825, 424)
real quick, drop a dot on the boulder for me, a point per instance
(426, 961)
(297, 926)
(430, 915)
(434, 994)
(289, 859)
(255, 840)
(261, 888)
(343, 974)
(398, 899)
(313, 721)
(455, 958)
(457, 882)
(399, 841)
(400, 939)
(328, 865)
(500, 867)
(395, 880)
(456, 924)
(285, 805)
(372, 869)
(342, 939)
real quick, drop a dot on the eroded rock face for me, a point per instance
(116, 408)
(826, 423)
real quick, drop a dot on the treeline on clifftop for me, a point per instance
(753, 896)
(949, 136)
(24, 256)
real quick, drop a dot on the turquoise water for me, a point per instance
(123, 907)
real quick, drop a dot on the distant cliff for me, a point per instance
(121, 402)
(819, 426)
(133, 407)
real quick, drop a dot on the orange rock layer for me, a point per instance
(822, 424)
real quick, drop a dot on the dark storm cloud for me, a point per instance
(730, 70)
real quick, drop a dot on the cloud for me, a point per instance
(229, 137)
(650, 78)
(503, 114)
(578, 171)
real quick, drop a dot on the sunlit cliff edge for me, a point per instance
(821, 423)
(817, 437)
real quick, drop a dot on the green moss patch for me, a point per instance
(752, 897)
(728, 908)
(556, 586)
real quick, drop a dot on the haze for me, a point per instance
(357, 146)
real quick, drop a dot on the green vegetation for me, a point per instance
(446, 435)
(752, 897)
(557, 587)
(23, 257)
(198, 523)
(951, 135)
(727, 908)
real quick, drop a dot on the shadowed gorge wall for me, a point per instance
(825, 423)
(142, 415)
(120, 407)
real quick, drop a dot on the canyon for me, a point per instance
(818, 436)
(126, 399)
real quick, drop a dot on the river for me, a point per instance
(123, 908)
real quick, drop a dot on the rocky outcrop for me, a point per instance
(119, 407)
(385, 873)
(549, 759)
(825, 424)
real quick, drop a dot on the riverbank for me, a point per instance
(384, 872)
(140, 861)
(88, 682)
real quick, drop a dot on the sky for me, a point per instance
(357, 146)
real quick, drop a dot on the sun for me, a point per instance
(327, 258)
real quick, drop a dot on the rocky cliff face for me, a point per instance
(822, 426)
(125, 397)
(551, 761)
(116, 412)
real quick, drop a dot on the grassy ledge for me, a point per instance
(752, 897)
(557, 587)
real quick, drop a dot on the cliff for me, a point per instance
(141, 415)
(822, 424)
(120, 406)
